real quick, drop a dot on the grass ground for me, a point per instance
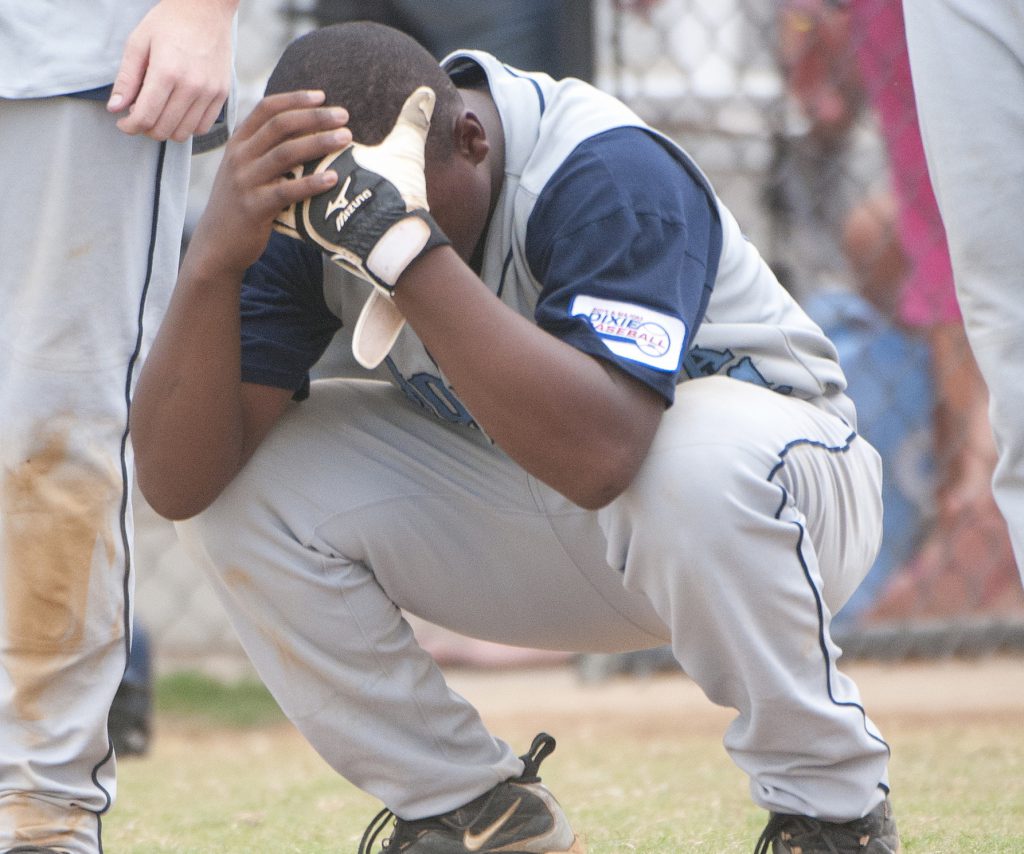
(639, 765)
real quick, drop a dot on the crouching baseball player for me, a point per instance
(582, 415)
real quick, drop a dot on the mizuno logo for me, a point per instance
(341, 200)
(344, 206)
(476, 841)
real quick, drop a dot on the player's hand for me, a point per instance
(250, 189)
(376, 222)
(175, 72)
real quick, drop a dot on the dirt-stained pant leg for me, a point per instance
(89, 258)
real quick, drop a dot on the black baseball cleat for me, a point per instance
(519, 816)
(876, 833)
(131, 712)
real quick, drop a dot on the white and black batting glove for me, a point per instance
(375, 221)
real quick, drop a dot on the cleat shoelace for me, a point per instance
(804, 833)
(375, 828)
(542, 747)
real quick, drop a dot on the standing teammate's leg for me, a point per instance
(967, 61)
(89, 249)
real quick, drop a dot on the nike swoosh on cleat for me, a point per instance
(476, 841)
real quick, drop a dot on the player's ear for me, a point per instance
(470, 137)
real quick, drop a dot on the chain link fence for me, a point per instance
(801, 113)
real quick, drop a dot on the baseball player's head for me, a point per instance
(370, 70)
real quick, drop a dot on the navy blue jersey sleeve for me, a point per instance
(625, 240)
(286, 325)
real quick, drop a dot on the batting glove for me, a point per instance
(375, 221)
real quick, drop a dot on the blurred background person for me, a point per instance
(839, 57)
(537, 35)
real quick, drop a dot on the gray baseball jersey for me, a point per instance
(44, 53)
(722, 313)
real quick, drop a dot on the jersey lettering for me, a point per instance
(430, 393)
(704, 362)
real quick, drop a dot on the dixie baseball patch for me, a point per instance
(634, 332)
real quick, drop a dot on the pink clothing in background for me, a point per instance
(878, 33)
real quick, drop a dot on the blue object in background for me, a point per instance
(890, 381)
(129, 722)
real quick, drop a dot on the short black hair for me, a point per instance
(369, 69)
